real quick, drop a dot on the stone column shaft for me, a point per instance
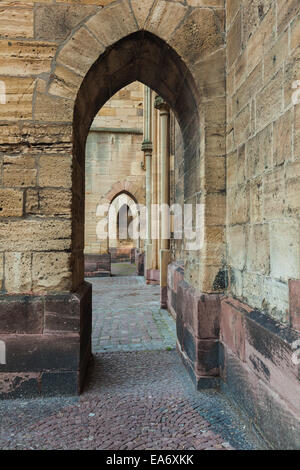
(164, 196)
(147, 149)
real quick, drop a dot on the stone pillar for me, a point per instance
(147, 149)
(165, 196)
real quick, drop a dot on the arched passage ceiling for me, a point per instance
(144, 57)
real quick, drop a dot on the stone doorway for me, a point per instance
(110, 49)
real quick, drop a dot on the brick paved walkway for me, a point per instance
(133, 399)
(127, 316)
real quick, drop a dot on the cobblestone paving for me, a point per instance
(127, 316)
(134, 400)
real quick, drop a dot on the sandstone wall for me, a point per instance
(263, 152)
(113, 155)
(47, 51)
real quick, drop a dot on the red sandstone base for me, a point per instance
(152, 276)
(225, 343)
(47, 343)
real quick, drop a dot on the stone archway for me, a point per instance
(121, 214)
(178, 51)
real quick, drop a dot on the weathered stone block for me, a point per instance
(278, 422)
(80, 52)
(55, 22)
(236, 244)
(238, 202)
(291, 77)
(242, 126)
(64, 83)
(239, 383)
(234, 40)
(141, 10)
(207, 358)
(232, 327)
(25, 57)
(275, 56)
(55, 202)
(254, 13)
(215, 204)
(274, 194)
(165, 17)
(209, 74)
(18, 98)
(269, 351)
(215, 142)
(21, 315)
(231, 170)
(36, 235)
(19, 385)
(1, 271)
(51, 272)
(250, 87)
(32, 201)
(17, 272)
(295, 33)
(199, 35)
(283, 138)
(285, 249)
(232, 6)
(292, 189)
(263, 36)
(16, 20)
(259, 152)
(287, 9)
(11, 203)
(55, 171)
(34, 353)
(19, 170)
(256, 200)
(258, 252)
(113, 23)
(59, 383)
(52, 108)
(269, 101)
(275, 300)
(294, 303)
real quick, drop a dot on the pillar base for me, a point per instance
(97, 265)
(140, 263)
(152, 276)
(164, 262)
(47, 342)
(164, 297)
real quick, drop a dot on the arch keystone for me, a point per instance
(113, 23)
(165, 18)
(141, 10)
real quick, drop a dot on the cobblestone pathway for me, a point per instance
(133, 399)
(127, 316)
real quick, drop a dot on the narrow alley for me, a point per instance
(138, 393)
